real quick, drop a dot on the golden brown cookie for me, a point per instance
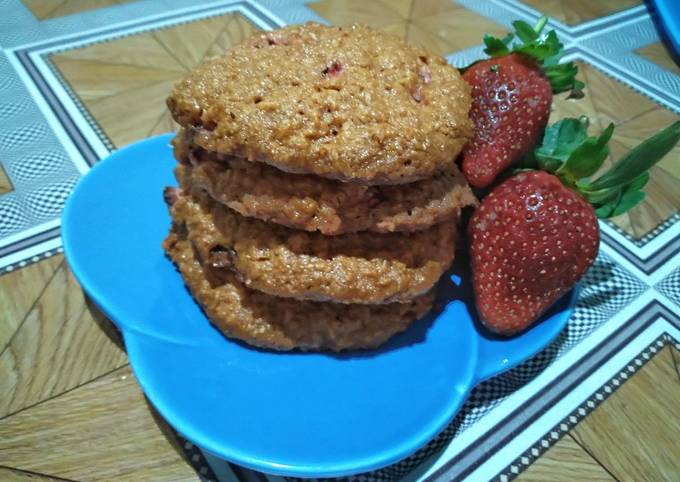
(284, 324)
(349, 103)
(311, 203)
(351, 268)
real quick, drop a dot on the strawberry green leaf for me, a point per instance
(528, 162)
(495, 47)
(508, 38)
(586, 158)
(525, 32)
(628, 201)
(604, 211)
(538, 52)
(604, 196)
(638, 183)
(545, 155)
(562, 77)
(615, 201)
(565, 135)
(545, 50)
(639, 159)
(568, 151)
(607, 209)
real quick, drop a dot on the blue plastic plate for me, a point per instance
(296, 414)
(668, 13)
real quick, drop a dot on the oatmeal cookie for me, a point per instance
(351, 268)
(285, 324)
(311, 203)
(349, 103)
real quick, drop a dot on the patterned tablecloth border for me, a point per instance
(629, 301)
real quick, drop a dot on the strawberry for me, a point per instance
(536, 234)
(511, 97)
(510, 108)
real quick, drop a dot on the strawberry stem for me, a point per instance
(540, 24)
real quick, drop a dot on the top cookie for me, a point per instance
(348, 103)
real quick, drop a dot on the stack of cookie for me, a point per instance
(318, 198)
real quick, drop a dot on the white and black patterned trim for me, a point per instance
(552, 436)
(29, 261)
(651, 234)
(195, 457)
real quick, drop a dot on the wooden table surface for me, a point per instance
(70, 408)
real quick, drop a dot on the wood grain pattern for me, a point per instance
(235, 29)
(427, 8)
(459, 28)
(614, 101)
(45, 9)
(578, 11)
(19, 289)
(124, 82)
(438, 25)
(376, 14)
(95, 80)
(42, 9)
(12, 475)
(139, 50)
(634, 433)
(659, 54)
(124, 124)
(101, 431)
(58, 347)
(565, 461)
(5, 183)
(675, 353)
(202, 34)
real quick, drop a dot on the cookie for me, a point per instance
(285, 324)
(311, 203)
(348, 103)
(351, 268)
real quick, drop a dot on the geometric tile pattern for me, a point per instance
(670, 286)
